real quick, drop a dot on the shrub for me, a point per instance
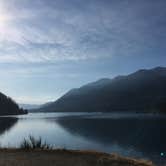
(33, 143)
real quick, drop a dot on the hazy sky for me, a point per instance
(50, 46)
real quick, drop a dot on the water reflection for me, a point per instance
(145, 135)
(6, 123)
(133, 135)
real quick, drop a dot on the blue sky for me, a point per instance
(50, 46)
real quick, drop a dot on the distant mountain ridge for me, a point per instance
(29, 106)
(143, 90)
(9, 106)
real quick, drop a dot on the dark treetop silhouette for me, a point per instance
(9, 106)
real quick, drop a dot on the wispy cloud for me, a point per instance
(39, 31)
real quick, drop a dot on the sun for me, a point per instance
(3, 18)
(3, 15)
(3, 24)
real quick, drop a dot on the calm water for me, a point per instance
(138, 135)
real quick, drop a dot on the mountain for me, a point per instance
(9, 107)
(29, 106)
(144, 90)
(39, 108)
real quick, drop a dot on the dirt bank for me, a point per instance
(15, 157)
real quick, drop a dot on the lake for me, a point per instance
(136, 135)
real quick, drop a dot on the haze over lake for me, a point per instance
(137, 135)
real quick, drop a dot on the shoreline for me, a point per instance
(63, 157)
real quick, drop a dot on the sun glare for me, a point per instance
(3, 27)
(3, 22)
(6, 28)
(3, 18)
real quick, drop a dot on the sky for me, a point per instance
(48, 47)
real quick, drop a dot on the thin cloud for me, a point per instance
(40, 31)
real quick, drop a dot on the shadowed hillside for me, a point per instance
(144, 90)
(9, 106)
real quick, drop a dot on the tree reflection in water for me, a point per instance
(6, 123)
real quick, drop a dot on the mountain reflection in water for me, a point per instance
(141, 134)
